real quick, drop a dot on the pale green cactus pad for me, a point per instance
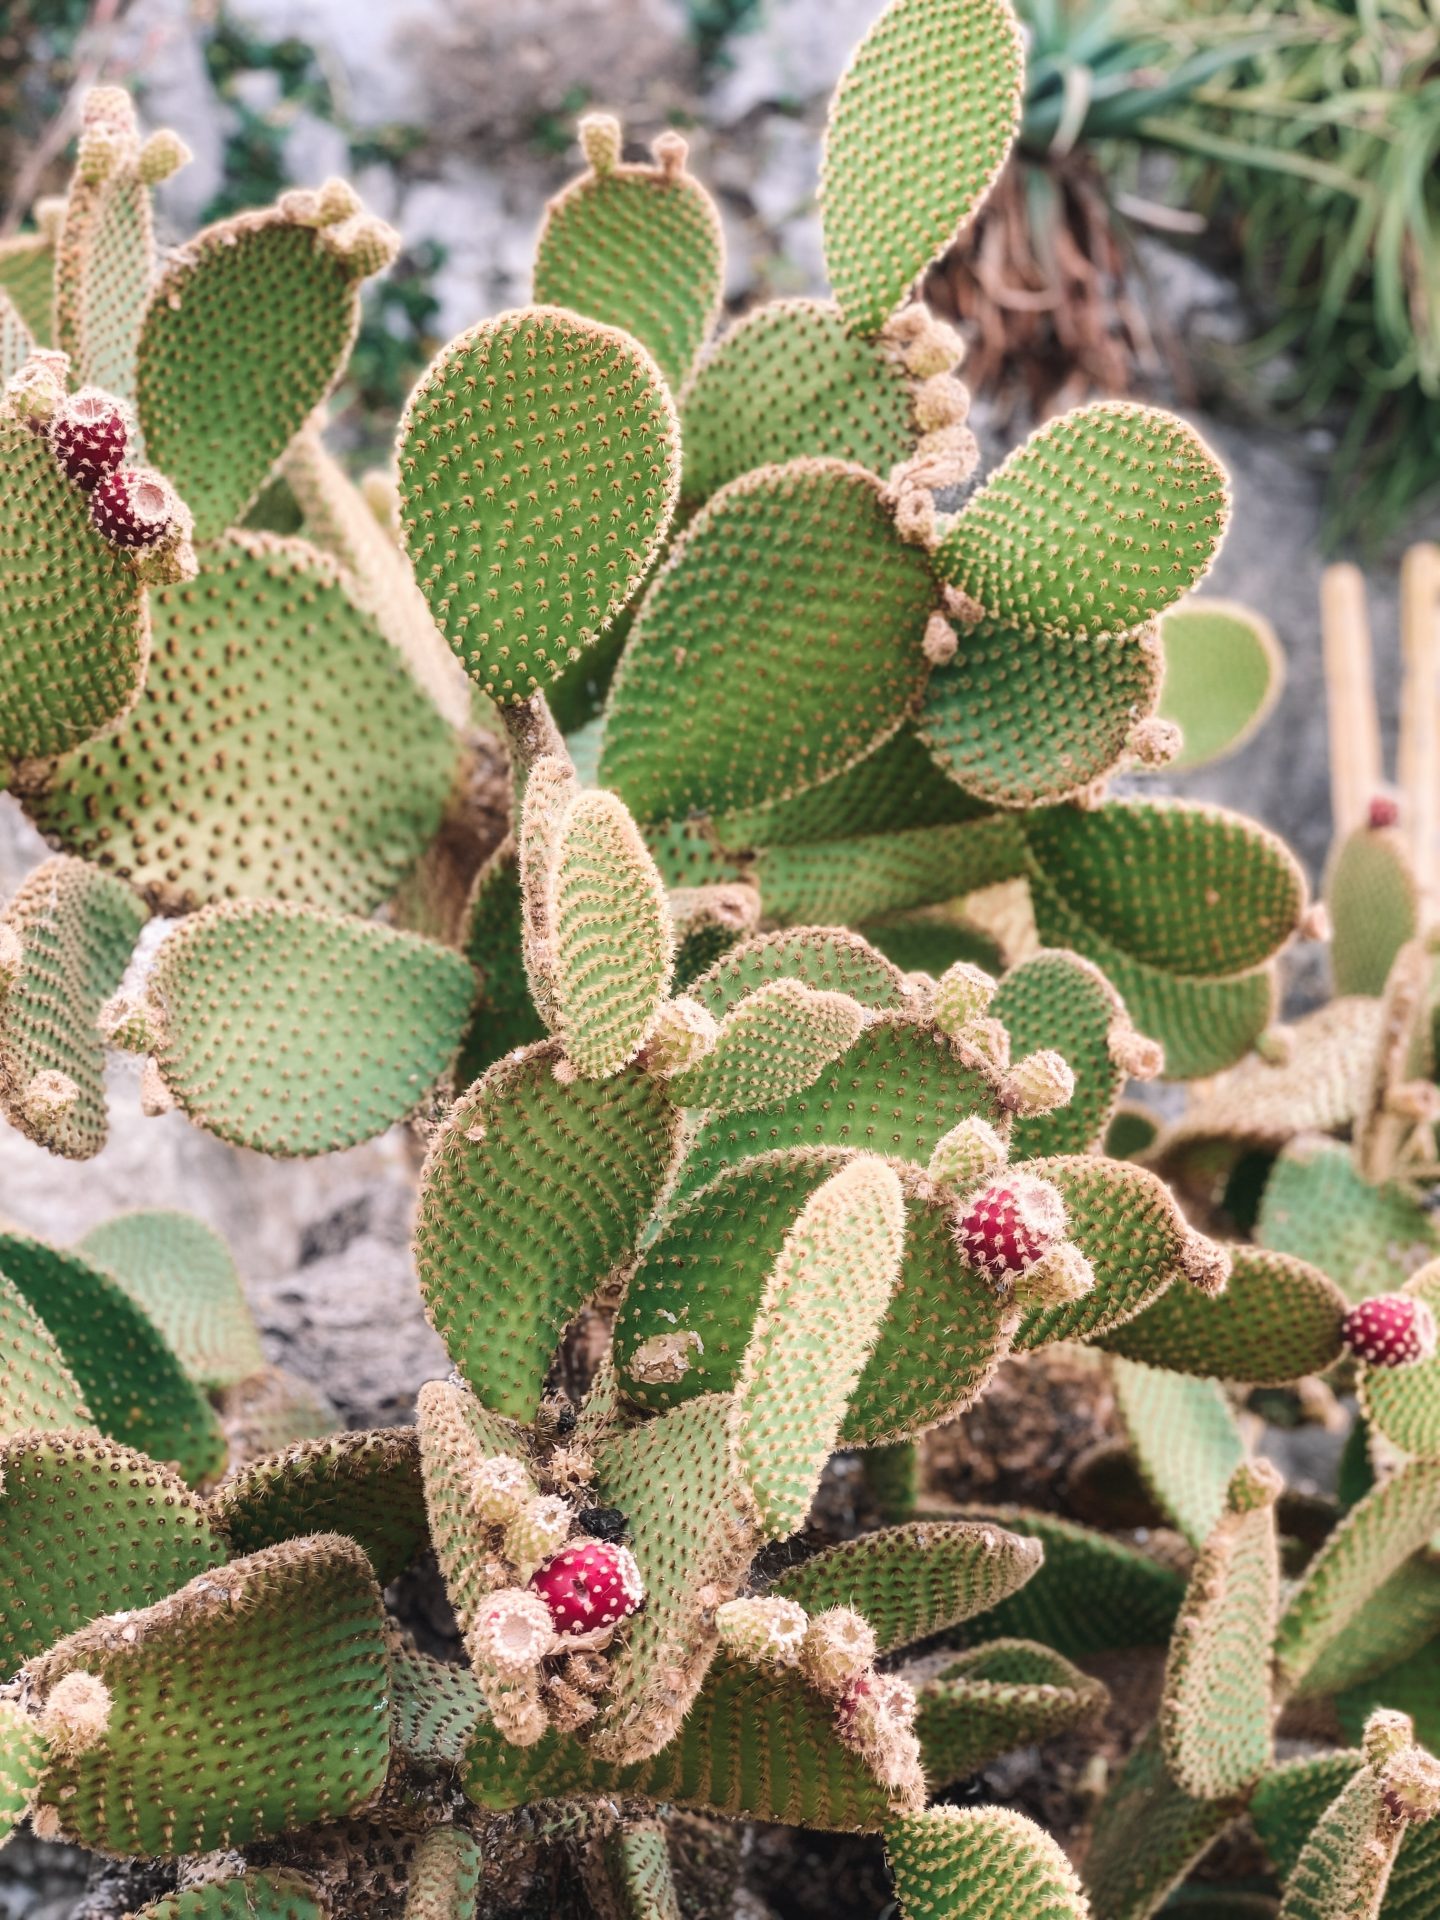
(23, 1748)
(364, 1485)
(789, 382)
(1277, 1320)
(181, 1273)
(73, 615)
(1374, 904)
(769, 1045)
(1098, 523)
(27, 277)
(264, 1895)
(37, 1389)
(641, 249)
(919, 128)
(444, 1876)
(90, 1528)
(1224, 672)
(1186, 1442)
(1059, 1000)
(1403, 1403)
(539, 463)
(1318, 1207)
(826, 959)
(886, 873)
(457, 1435)
(780, 643)
(271, 1679)
(980, 1863)
(1393, 1630)
(534, 1191)
(133, 1382)
(104, 264)
(312, 767)
(1148, 1834)
(1008, 1694)
(297, 1031)
(76, 930)
(1289, 1803)
(16, 345)
(220, 398)
(504, 1016)
(1345, 1865)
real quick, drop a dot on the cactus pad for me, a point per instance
(88, 1528)
(27, 278)
(444, 1876)
(533, 1193)
(37, 1389)
(1223, 674)
(1186, 1442)
(104, 263)
(1008, 1694)
(779, 643)
(133, 1383)
(1345, 1865)
(1277, 1320)
(827, 959)
(980, 1863)
(313, 768)
(220, 398)
(639, 248)
(297, 1031)
(364, 1485)
(1059, 1000)
(504, 1016)
(1148, 1834)
(73, 616)
(885, 873)
(180, 1272)
(768, 1046)
(919, 128)
(270, 1678)
(1374, 904)
(457, 1435)
(1319, 1208)
(539, 462)
(1100, 521)
(16, 345)
(1403, 1403)
(76, 929)
(22, 1762)
(263, 1895)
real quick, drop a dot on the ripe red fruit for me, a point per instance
(588, 1586)
(1008, 1226)
(1392, 1330)
(1383, 812)
(89, 435)
(135, 507)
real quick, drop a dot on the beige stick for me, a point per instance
(1355, 765)
(1419, 757)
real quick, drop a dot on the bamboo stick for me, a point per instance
(1356, 772)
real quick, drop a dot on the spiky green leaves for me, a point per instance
(539, 461)
(70, 932)
(980, 1863)
(534, 1191)
(817, 1323)
(180, 1272)
(1096, 524)
(641, 249)
(1223, 673)
(919, 128)
(88, 1528)
(281, 749)
(74, 633)
(221, 398)
(270, 1679)
(780, 643)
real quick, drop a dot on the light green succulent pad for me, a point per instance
(181, 1273)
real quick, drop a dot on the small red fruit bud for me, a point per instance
(588, 1586)
(136, 507)
(89, 435)
(1392, 1330)
(1007, 1227)
(1383, 812)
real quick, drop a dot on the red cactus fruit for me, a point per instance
(1392, 1330)
(1008, 1226)
(870, 1700)
(588, 1586)
(89, 435)
(1383, 812)
(136, 507)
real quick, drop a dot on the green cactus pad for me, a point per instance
(364, 1485)
(1059, 1000)
(639, 248)
(457, 1435)
(135, 1387)
(1216, 1709)
(181, 1273)
(504, 1016)
(612, 950)
(980, 1863)
(270, 1678)
(1345, 1865)
(37, 1389)
(896, 1091)
(1020, 719)
(638, 1872)
(73, 615)
(1278, 1318)
(262, 1895)
(769, 1045)
(525, 561)
(444, 1876)
(1185, 1440)
(1403, 1403)
(23, 1749)
(1319, 1208)
(77, 929)
(533, 1193)
(1147, 1836)
(313, 768)
(220, 397)
(296, 1031)
(1223, 674)
(437, 1709)
(915, 1580)
(1011, 1693)
(269, 1411)
(1290, 1799)
(27, 277)
(1090, 1594)
(707, 922)
(919, 128)
(1372, 1541)
(89, 1528)
(1398, 1622)
(780, 643)
(787, 383)
(16, 345)
(889, 872)
(693, 1528)
(104, 264)
(1374, 904)
(828, 959)
(930, 942)
(1098, 523)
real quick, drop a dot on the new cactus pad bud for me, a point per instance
(499, 1488)
(337, 200)
(164, 153)
(76, 1712)
(1205, 1263)
(671, 151)
(941, 641)
(1409, 1777)
(35, 392)
(511, 1632)
(968, 1154)
(876, 1716)
(49, 1095)
(588, 1588)
(962, 994)
(12, 956)
(1135, 1054)
(1390, 1330)
(601, 141)
(127, 1024)
(137, 507)
(517, 1708)
(534, 1533)
(1154, 742)
(90, 433)
(1007, 1227)
(839, 1647)
(684, 1034)
(940, 401)
(764, 1630)
(1039, 1083)
(1058, 1278)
